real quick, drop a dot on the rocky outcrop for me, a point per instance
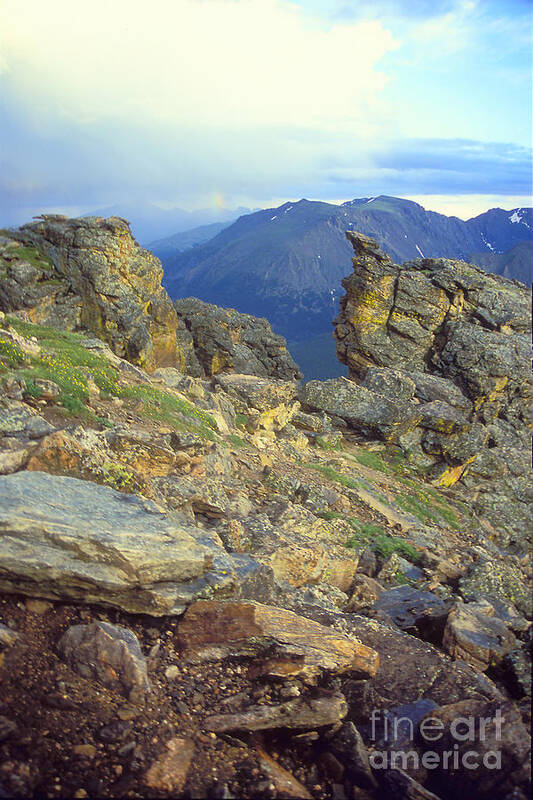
(90, 273)
(216, 340)
(106, 283)
(452, 343)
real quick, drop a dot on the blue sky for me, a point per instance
(209, 103)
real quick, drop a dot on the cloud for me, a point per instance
(441, 166)
(192, 62)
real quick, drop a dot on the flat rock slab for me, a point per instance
(305, 713)
(283, 643)
(64, 538)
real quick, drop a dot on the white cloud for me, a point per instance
(193, 62)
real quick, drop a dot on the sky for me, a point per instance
(225, 103)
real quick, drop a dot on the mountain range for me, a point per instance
(287, 263)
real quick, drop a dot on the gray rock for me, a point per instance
(415, 610)
(71, 539)
(363, 410)
(500, 579)
(223, 340)
(389, 382)
(262, 394)
(441, 417)
(18, 419)
(476, 638)
(109, 654)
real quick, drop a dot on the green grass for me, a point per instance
(370, 534)
(325, 445)
(372, 460)
(241, 420)
(331, 474)
(428, 506)
(33, 256)
(68, 363)
(236, 441)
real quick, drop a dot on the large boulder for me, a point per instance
(364, 410)
(109, 285)
(223, 340)
(64, 538)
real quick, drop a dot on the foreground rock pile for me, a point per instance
(228, 585)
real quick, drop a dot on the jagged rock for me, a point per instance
(260, 393)
(432, 388)
(109, 285)
(362, 409)
(8, 637)
(71, 539)
(111, 654)
(169, 771)
(300, 548)
(390, 383)
(303, 713)
(477, 638)
(201, 496)
(283, 643)
(145, 456)
(223, 340)
(13, 460)
(459, 335)
(410, 669)
(441, 417)
(348, 744)
(517, 671)
(36, 290)
(365, 592)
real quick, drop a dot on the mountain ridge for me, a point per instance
(286, 263)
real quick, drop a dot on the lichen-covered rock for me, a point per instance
(499, 579)
(460, 336)
(110, 285)
(363, 409)
(263, 394)
(223, 340)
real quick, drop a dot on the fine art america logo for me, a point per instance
(402, 743)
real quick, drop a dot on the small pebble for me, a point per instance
(85, 750)
(172, 672)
